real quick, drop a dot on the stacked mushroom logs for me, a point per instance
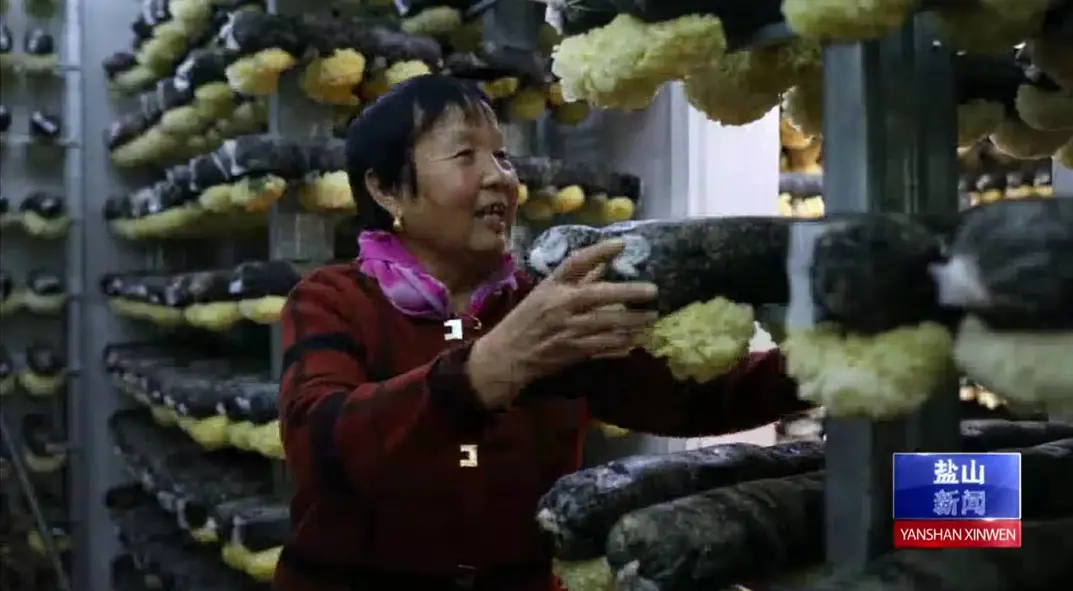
(879, 309)
(989, 175)
(174, 124)
(43, 128)
(159, 551)
(352, 62)
(165, 33)
(40, 214)
(39, 52)
(618, 54)
(740, 514)
(218, 402)
(192, 452)
(558, 191)
(801, 194)
(193, 99)
(43, 375)
(43, 293)
(210, 93)
(8, 377)
(44, 444)
(453, 20)
(631, 519)
(216, 503)
(233, 188)
(1022, 111)
(210, 300)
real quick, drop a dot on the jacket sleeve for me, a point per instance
(639, 393)
(340, 426)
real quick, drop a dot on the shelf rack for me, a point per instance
(54, 166)
(25, 488)
(868, 134)
(888, 128)
(514, 24)
(304, 239)
(74, 186)
(888, 148)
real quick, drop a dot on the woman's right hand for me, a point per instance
(571, 316)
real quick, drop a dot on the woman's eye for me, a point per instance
(467, 153)
(503, 157)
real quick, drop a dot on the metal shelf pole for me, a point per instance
(305, 239)
(889, 136)
(1062, 183)
(93, 251)
(515, 24)
(76, 284)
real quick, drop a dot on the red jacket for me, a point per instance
(375, 409)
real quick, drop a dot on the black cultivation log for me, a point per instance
(249, 32)
(118, 63)
(254, 155)
(1041, 564)
(740, 259)
(554, 245)
(760, 529)
(395, 46)
(44, 126)
(752, 531)
(1011, 264)
(128, 128)
(208, 170)
(991, 434)
(1047, 480)
(843, 270)
(582, 17)
(494, 62)
(203, 67)
(580, 510)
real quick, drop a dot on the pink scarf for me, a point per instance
(410, 288)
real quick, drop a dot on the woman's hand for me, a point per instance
(569, 317)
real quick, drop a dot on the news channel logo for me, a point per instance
(957, 500)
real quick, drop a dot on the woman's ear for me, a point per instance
(389, 202)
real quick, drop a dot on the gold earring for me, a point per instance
(396, 224)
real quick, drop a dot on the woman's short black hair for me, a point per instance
(382, 138)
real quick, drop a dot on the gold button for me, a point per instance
(469, 456)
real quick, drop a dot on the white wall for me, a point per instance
(691, 167)
(1062, 180)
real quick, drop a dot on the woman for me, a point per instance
(431, 393)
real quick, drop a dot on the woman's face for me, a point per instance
(467, 189)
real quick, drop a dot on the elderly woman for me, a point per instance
(431, 392)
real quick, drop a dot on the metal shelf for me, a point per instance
(889, 126)
(54, 165)
(57, 70)
(29, 494)
(28, 141)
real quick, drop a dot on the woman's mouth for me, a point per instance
(494, 216)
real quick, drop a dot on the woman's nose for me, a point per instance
(497, 172)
